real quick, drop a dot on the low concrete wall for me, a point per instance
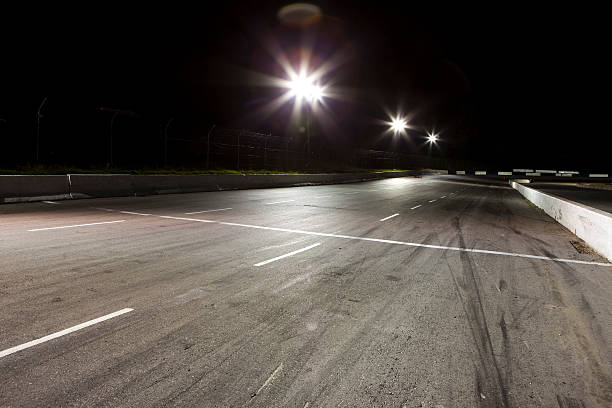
(33, 188)
(36, 188)
(592, 225)
(100, 185)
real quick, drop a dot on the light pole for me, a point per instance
(305, 89)
(166, 140)
(208, 147)
(38, 116)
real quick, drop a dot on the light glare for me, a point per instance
(303, 87)
(398, 125)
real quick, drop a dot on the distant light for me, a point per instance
(303, 87)
(432, 137)
(398, 125)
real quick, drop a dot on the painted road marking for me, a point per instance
(269, 380)
(354, 192)
(443, 197)
(183, 219)
(205, 211)
(415, 207)
(50, 202)
(323, 196)
(74, 226)
(391, 216)
(134, 213)
(64, 332)
(286, 255)
(280, 202)
(432, 201)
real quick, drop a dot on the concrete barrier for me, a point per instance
(592, 225)
(33, 188)
(36, 188)
(100, 185)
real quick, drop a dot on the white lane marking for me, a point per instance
(280, 202)
(270, 378)
(323, 196)
(413, 244)
(443, 197)
(134, 213)
(432, 201)
(183, 218)
(104, 209)
(452, 193)
(354, 192)
(391, 216)
(50, 202)
(205, 211)
(74, 226)
(287, 255)
(416, 206)
(15, 349)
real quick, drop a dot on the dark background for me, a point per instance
(506, 86)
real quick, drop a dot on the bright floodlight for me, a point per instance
(303, 87)
(432, 137)
(398, 125)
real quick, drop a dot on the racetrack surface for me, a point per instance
(410, 292)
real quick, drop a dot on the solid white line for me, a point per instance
(280, 202)
(432, 201)
(270, 378)
(50, 202)
(414, 244)
(391, 216)
(183, 218)
(415, 207)
(73, 226)
(205, 211)
(286, 255)
(15, 349)
(134, 213)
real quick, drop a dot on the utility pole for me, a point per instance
(208, 147)
(166, 140)
(38, 116)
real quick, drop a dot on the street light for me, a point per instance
(398, 125)
(432, 138)
(304, 88)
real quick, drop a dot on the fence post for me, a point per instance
(238, 155)
(208, 147)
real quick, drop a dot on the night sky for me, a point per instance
(506, 86)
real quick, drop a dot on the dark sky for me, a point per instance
(512, 85)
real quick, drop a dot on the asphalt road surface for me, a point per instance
(600, 199)
(411, 292)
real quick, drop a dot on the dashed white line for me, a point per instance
(354, 192)
(432, 201)
(287, 255)
(269, 380)
(389, 217)
(29, 344)
(206, 211)
(280, 202)
(416, 206)
(134, 213)
(183, 218)
(50, 202)
(443, 197)
(322, 196)
(74, 226)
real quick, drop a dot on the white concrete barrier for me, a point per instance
(592, 225)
